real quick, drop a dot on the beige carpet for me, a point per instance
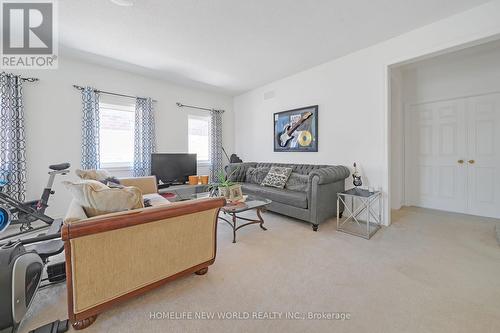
(429, 272)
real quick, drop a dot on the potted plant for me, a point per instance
(228, 189)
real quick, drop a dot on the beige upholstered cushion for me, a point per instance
(156, 199)
(147, 184)
(98, 199)
(92, 174)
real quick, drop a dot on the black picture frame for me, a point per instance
(304, 138)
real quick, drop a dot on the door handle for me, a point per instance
(460, 161)
(472, 161)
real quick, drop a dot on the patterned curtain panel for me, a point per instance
(12, 141)
(144, 137)
(90, 129)
(216, 166)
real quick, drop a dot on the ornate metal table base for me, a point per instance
(235, 217)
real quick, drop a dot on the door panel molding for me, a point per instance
(493, 92)
(484, 149)
(438, 136)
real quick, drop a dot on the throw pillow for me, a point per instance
(101, 175)
(155, 200)
(92, 174)
(277, 177)
(297, 182)
(112, 182)
(256, 175)
(98, 199)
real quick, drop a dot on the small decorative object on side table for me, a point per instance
(226, 188)
(356, 177)
(204, 180)
(358, 202)
(193, 180)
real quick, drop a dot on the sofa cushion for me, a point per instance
(277, 177)
(147, 184)
(297, 182)
(256, 175)
(98, 199)
(292, 198)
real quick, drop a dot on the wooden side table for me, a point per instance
(358, 203)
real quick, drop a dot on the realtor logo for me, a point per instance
(29, 36)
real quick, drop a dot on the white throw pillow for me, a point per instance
(156, 199)
(98, 199)
(277, 177)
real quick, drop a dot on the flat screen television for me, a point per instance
(173, 168)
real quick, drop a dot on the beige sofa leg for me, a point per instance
(84, 323)
(202, 271)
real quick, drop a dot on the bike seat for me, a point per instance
(59, 167)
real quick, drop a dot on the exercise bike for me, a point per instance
(13, 211)
(21, 276)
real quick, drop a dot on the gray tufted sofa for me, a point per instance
(312, 198)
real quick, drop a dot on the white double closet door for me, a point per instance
(452, 155)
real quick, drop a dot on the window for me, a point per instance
(116, 135)
(199, 137)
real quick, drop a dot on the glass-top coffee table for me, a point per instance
(234, 209)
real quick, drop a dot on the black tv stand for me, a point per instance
(184, 191)
(166, 185)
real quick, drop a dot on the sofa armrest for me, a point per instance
(323, 200)
(146, 184)
(237, 171)
(329, 174)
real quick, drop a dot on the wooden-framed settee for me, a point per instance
(114, 257)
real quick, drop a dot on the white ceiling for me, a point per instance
(233, 46)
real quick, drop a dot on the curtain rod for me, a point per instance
(111, 93)
(27, 79)
(197, 107)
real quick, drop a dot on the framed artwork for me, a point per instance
(296, 130)
(235, 193)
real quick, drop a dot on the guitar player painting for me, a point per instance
(296, 130)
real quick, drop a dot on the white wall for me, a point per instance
(472, 71)
(353, 98)
(397, 138)
(53, 117)
(463, 73)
